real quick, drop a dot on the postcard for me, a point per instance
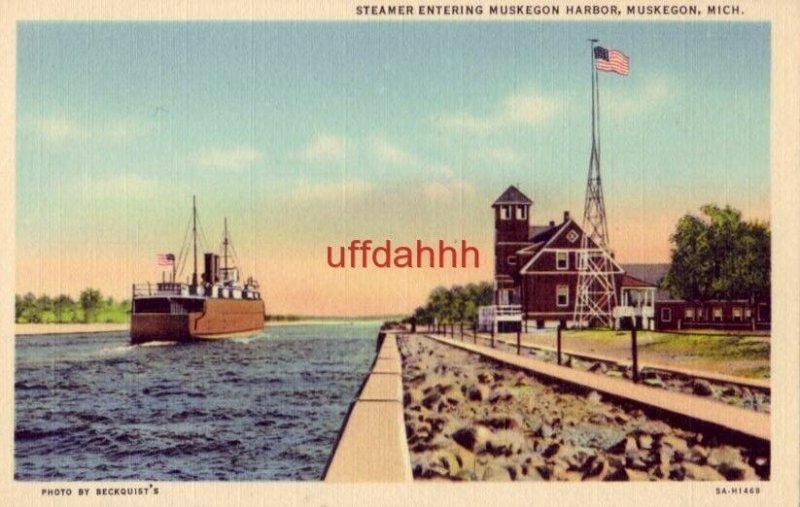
(400, 253)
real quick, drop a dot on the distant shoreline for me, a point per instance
(43, 329)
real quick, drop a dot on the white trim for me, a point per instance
(533, 314)
(554, 236)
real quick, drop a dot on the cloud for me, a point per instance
(331, 190)
(520, 109)
(58, 130)
(125, 129)
(654, 93)
(325, 148)
(127, 185)
(502, 155)
(232, 159)
(449, 191)
(61, 129)
(391, 154)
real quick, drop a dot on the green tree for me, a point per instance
(457, 305)
(64, 308)
(719, 256)
(91, 301)
(438, 302)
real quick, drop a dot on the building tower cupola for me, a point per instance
(511, 216)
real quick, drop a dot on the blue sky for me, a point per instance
(310, 134)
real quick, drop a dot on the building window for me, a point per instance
(688, 314)
(505, 212)
(512, 260)
(748, 313)
(562, 260)
(701, 314)
(716, 314)
(737, 313)
(562, 295)
(522, 212)
(666, 315)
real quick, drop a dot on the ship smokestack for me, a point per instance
(210, 264)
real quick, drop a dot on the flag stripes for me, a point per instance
(610, 60)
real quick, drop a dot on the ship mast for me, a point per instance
(194, 239)
(225, 246)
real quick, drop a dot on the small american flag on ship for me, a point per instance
(166, 259)
(611, 60)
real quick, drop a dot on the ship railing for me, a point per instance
(160, 289)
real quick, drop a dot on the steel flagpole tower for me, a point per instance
(596, 293)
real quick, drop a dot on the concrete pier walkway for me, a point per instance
(707, 375)
(745, 422)
(372, 446)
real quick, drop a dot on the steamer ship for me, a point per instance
(214, 306)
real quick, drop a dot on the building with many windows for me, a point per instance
(536, 277)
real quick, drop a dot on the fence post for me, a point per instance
(558, 344)
(493, 328)
(518, 343)
(635, 356)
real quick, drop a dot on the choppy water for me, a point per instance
(268, 407)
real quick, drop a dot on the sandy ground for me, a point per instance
(471, 419)
(40, 329)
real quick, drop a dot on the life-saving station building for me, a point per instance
(565, 274)
(537, 269)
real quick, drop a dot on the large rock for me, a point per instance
(623, 446)
(477, 392)
(500, 395)
(678, 445)
(702, 387)
(496, 473)
(431, 399)
(503, 443)
(485, 377)
(472, 437)
(696, 472)
(729, 462)
(502, 422)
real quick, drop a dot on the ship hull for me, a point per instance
(219, 319)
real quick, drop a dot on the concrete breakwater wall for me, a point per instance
(372, 443)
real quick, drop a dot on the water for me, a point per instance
(268, 407)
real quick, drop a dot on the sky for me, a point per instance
(310, 134)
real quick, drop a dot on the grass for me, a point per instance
(712, 346)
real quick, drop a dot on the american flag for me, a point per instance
(611, 60)
(166, 259)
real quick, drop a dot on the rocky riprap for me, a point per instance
(751, 398)
(469, 418)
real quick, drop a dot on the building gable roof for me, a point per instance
(635, 283)
(547, 237)
(512, 195)
(650, 273)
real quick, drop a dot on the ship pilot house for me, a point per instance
(536, 274)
